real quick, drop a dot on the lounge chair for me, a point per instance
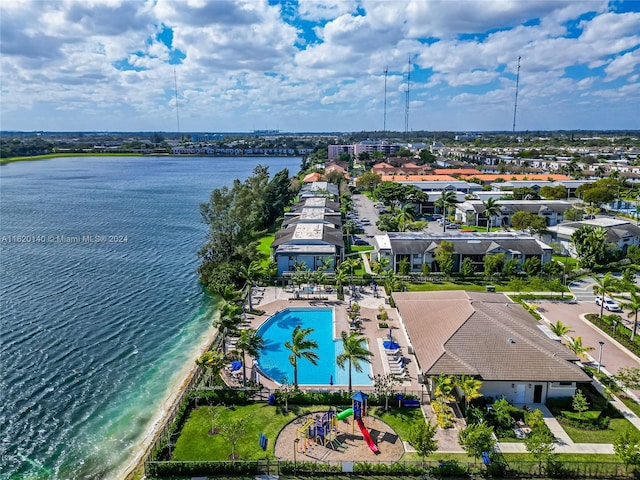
(396, 362)
(392, 353)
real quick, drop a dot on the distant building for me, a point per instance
(311, 234)
(471, 212)
(620, 232)
(420, 247)
(368, 146)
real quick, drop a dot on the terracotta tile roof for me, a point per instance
(482, 334)
(457, 171)
(418, 178)
(313, 177)
(507, 177)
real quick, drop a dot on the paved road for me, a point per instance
(583, 289)
(614, 356)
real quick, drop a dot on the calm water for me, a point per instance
(274, 359)
(100, 306)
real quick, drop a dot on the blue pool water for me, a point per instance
(274, 358)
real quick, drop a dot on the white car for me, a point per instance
(609, 304)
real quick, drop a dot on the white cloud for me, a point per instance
(623, 65)
(247, 63)
(326, 10)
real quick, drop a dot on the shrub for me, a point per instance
(443, 413)
(184, 469)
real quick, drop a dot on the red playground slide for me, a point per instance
(367, 436)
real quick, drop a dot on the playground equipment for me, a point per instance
(320, 430)
(344, 414)
(359, 408)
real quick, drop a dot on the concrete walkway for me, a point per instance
(564, 444)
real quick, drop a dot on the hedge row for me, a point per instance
(622, 333)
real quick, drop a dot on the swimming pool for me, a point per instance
(274, 358)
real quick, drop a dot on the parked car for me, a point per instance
(365, 221)
(453, 226)
(359, 241)
(609, 304)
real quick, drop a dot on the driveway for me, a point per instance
(614, 356)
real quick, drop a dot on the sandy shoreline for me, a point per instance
(175, 391)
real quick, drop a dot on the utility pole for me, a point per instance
(384, 125)
(175, 79)
(406, 107)
(515, 106)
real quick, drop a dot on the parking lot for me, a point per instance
(366, 216)
(614, 356)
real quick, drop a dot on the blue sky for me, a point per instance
(303, 65)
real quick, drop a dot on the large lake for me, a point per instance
(100, 304)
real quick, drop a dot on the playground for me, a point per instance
(349, 435)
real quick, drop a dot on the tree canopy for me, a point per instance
(236, 217)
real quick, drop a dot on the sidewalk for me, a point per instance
(564, 444)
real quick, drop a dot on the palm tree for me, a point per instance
(212, 362)
(228, 321)
(301, 273)
(404, 214)
(443, 388)
(491, 209)
(251, 273)
(379, 266)
(350, 264)
(575, 345)
(603, 287)
(447, 200)
(301, 347)
(227, 291)
(355, 351)
(560, 328)
(633, 305)
(470, 388)
(341, 278)
(250, 342)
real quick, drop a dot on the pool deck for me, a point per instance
(275, 299)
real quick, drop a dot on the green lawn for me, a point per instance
(264, 249)
(534, 284)
(195, 443)
(564, 457)
(616, 427)
(400, 419)
(571, 262)
(60, 155)
(361, 248)
(432, 287)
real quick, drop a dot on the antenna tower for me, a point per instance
(384, 127)
(175, 80)
(515, 105)
(406, 107)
